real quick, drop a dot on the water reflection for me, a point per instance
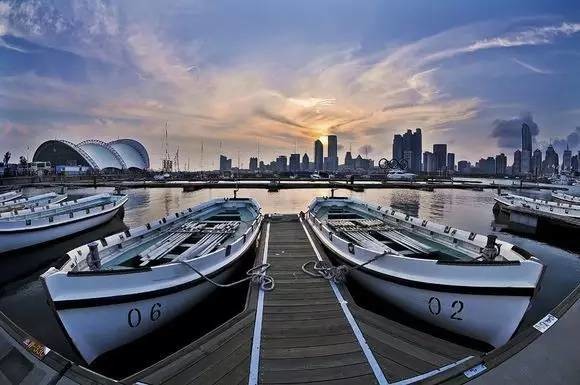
(406, 201)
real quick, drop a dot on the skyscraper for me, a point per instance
(463, 167)
(294, 162)
(318, 155)
(253, 164)
(566, 159)
(282, 163)
(225, 163)
(305, 162)
(398, 147)
(451, 161)
(517, 165)
(440, 157)
(537, 162)
(408, 157)
(526, 149)
(409, 147)
(332, 153)
(428, 162)
(500, 164)
(417, 148)
(551, 161)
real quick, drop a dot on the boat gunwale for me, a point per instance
(138, 231)
(522, 290)
(33, 198)
(5, 197)
(10, 217)
(65, 220)
(170, 288)
(572, 211)
(448, 231)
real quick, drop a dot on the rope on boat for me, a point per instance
(256, 274)
(337, 274)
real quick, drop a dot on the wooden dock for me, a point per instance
(310, 331)
(307, 330)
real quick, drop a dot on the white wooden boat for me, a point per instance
(566, 198)
(464, 282)
(33, 201)
(113, 291)
(556, 209)
(10, 195)
(36, 225)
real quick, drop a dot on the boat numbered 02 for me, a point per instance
(464, 282)
(435, 308)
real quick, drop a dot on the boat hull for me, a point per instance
(15, 240)
(97, 329)
(102, 310)
(468, 302)
(489, 318)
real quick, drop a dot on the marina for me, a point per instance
(289, 193)
(310, 330)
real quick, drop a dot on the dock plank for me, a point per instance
(305, 336)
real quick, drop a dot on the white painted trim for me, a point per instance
(431, 373)
(351, 321)
(256, 340)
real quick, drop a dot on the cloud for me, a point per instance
(531, 67)
(571, 141)
(508, 132)
(343, 89)
(366, 149)
(4, 44)
(529, 36)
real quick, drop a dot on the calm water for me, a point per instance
(23, 300)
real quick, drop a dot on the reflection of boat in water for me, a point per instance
(463, 282)
(33, 201)
(10, 195)
(34, 226)
(114, 291)
(567, 198)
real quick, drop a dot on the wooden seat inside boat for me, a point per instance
(378, 235)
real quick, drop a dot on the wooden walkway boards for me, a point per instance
(305, 335)
(303, 332)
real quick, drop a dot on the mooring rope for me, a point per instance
(338, 273)
(256, 274)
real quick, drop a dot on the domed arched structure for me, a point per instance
(120, 154)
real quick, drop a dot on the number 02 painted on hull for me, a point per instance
(435, 308)
(134, 316)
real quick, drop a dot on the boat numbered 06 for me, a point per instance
(464, 282)
(120, 288)
(134, 316)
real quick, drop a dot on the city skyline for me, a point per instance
(468, 74)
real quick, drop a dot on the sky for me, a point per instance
(269, 77)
